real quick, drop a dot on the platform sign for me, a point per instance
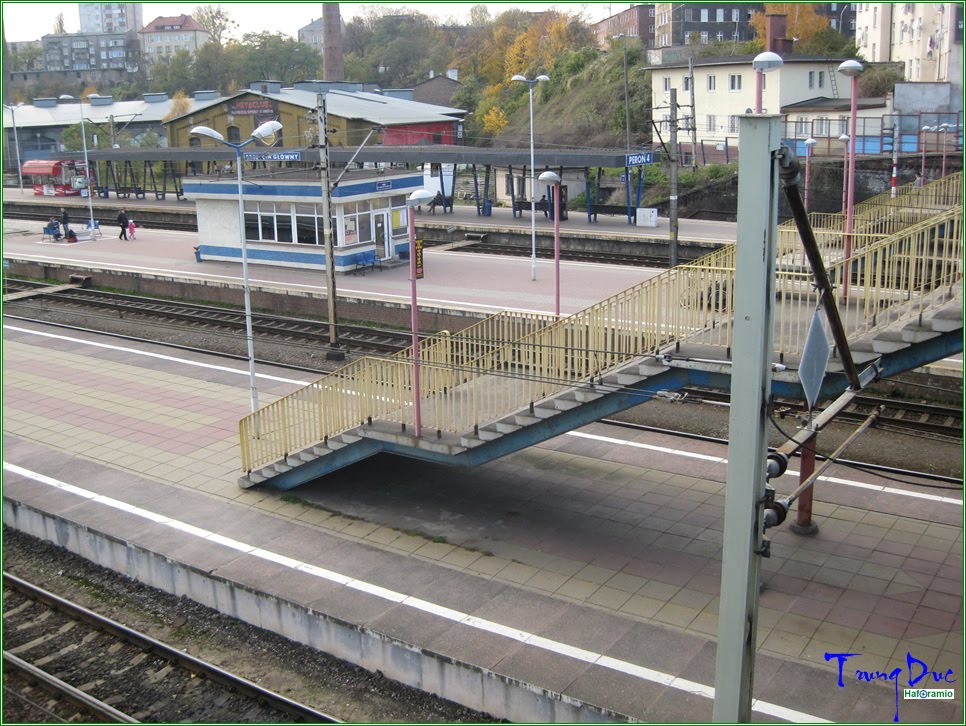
(272, 155)
(419, 259)
(383, 186)
(645, 157)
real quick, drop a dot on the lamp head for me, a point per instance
(850, 68)
(549, 177)
(810, 142)
(518, 77)
(543, 77)
(844, 137)
(767, 62)
(420, 196)
(210, 133)
(267, 131)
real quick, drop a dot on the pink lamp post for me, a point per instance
(945, 129)
(844, 138)
(850, 69)
(420, 196)
(809, 145)
(549, 177)
(764, 63)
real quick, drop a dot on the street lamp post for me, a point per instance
(335, 352)
(87, 163)
(531, 82)
(627, 98)
(809, 145)
(266, 133)
(764, 63)
(844, 138)
(850, 69)
(418, 197)
(549, 177)
(922, 144)
(16, 141)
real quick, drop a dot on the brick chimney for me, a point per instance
(776, 28)
(332, 67)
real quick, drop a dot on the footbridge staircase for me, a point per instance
(513, 379)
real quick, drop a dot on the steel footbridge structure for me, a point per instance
(513, 379)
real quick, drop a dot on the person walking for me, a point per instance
(122, 221)
(64, 220)
(131, 229)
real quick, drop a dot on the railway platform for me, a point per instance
(573, 581)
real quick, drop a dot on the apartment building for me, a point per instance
(927, 38)
(693, 23)
(110, 17)
(91, 51)
(165, 36)
(635, 22)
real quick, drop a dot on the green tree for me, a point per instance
(879, 79)
(70, 138)
(830, 43)
(173, 73)
(278, 57)
(215, 20)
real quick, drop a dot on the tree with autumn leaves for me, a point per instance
(803, 21)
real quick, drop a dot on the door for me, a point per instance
(382, 234)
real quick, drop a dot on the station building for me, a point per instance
(283, 200)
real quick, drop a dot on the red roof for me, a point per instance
(42, 166)
(174, 22)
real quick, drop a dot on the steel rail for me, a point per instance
(149, 644)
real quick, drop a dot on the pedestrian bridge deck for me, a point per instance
(515, 379)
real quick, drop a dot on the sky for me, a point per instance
(30, 20)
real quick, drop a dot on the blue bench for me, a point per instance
(52, 231)
(364, 261)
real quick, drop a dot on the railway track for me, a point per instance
(357, 339)
(898, 415)
(97, 666)
(613, 258)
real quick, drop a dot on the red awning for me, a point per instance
(42, 166)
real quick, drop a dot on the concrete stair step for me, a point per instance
(489, 435)
(889, 341)
(469, 442)
(565, 404)
(914, 333)
(586, 395)
(507, 428)
(525, 420)
(281, 467)
(545, 412)
(947, 320)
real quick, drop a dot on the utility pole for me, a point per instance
(627, 103)
(335, 352)
(673, 243)
(754, 296)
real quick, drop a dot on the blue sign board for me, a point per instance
(645, 157)
(272, 155)
(383, 186)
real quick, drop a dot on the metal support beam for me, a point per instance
(759, 139)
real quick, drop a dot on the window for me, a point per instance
(667, 84)
(735, 15)
(822, 127)
(720, 36)
(688, 15)
(711, 83)
(234, 134)
(732, 124)
(686, 83)
(834, 23)
(704, 37)
(704, 15)
(811, 79)
(710, 123)
(821, 79)
(801, 126)
(734, 82)
(719, 15)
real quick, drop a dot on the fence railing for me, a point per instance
(510, 360)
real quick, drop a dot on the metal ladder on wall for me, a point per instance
(832, 71)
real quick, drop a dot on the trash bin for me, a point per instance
(487, 208)
(646, 217)
(105, 192)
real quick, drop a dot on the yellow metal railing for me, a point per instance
(510, 360)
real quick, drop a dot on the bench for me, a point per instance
(520, 205)
(52, 232)
(465, 194)
(365, 260)
(618, 209)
